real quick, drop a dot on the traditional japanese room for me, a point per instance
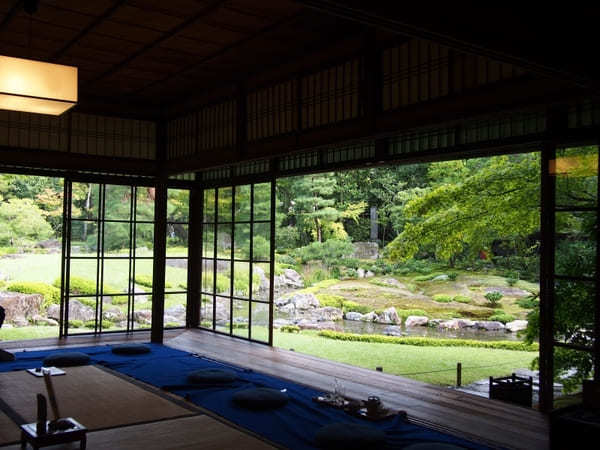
(298, 224)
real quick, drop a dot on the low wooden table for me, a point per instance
(76, 433)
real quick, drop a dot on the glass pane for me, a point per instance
(178, 205)
(241, 280)
(117, 202)
(83, 275)
(84, 203)
(144, 239)
(142, 312)
(571, 367)
(240, 318)
(223, 277)
(175, 305)
(224, 241)
(114, 312)
(260, 322)
(206, 311)
(262, 201)
(143, 276)
(223, 314)
(208, 240)
(116, 239)
(242, 241)
(176, 274)
(574, 312)
(575, 243)
(208, 266)
(82, 315)
(84, 237)
(116, 276)
(144, 208)
(209, 205)
(224, 205)
(261, 248)
(576, 171)
(177, 239)
(260, 281)
(242, 203)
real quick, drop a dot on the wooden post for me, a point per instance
(458, 374)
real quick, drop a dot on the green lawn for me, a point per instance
(17, 334)
(436, 365)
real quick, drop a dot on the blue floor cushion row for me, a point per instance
(294, 425)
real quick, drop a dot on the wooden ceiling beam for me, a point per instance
(93, 24)
(172, 32)
(10, 14)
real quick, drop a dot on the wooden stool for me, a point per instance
(76, 433)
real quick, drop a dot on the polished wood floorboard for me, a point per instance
(460, 413)
(198, 432)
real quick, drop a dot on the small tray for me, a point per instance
(39, 371)
(382, 414)
(326, 401)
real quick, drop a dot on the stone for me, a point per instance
(22, 306)
(352, 315)
(113, 314)
(442, 277)
(44, 321)
(369, 317)
(19, 322)
(369, 274)
(327, 314)
(456, 324)
(389, 315)
(177, 311)
(77, 311)
(360, 273)
(264, 281)
(416, 321)
(278, 323)
(287, 309)
(280, 301)
(393, 330)
(304, 301)
(366, 250)
(516, 325)
(173, 320)
(434, 323)
(143, 316)
(508, 291)
(49, 243)
(306, 324)
(489, 325)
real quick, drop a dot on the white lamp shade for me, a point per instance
(37, 87)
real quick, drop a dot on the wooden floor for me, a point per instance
(489, 421)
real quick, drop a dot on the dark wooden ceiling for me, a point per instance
(154, 53)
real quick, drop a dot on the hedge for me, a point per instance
(51, 294)
(429, 342)
(442, 298)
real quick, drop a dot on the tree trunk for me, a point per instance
(88, 202)
(374, 224)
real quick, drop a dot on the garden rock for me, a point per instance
(366, 250)
(293, 277)
(44, 321)
(516, 325)
(456, 324)
(393, 331)
(21, 306)
(287, 309)
(177, 311)
(107, 299)
(143, 316)
(20, 322)
(113, 314)
(278, 323)
(353, 316)
(49, 243)
(360, 273)
(304, 301)
(177, 263)
(264, 281)
(389, 315)
(434, 323)
(369, 274)
(79, 311)
(508, 291)
(416, 321)
(369, 317)
(305, 324)
(171, 320)
(489, 325)
(328, 314)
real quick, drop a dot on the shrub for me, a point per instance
(442, 298)
(350, 306)
(120, 300)
(92, 323)
(502, 317)
(88, 301)
(452, 276)
(404, 313)
(512, 281)
(315, 275)
(462, 299)
(285, 259)
(50, 293)
(261, 249)
(287, 238)
(430, 342)
(330, 251)
(144, 280)
(528, 302)
(75, 323)
(85, 286)
(422, 278)
(493, 298)
(172, 325)
(336, 301)
(290, 329)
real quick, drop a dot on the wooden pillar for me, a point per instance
(160, 239)
(194, 259)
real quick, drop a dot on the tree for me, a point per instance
(496, 198)
(22, 223)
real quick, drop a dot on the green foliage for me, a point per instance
(413, 266)
(429, 277)
(119, 300)
(512, 281)
(7, 251)
(528, 302)
(261, 249)
(330, 252)
(430, 342)
(290, 329)
(336, 301)
(85, 286)
(51, 294)
(23, 223)
(324, 284)
(462, 299)
(350, 306)
(92, 324)
(287, 238)
(144, 280)
(404, 313)
(75, 323)
(493, 298)
(452, 276)
(442, 298)
(502, 317)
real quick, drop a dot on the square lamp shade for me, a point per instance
(37, 87)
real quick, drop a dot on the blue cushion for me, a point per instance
(212, 376)
(349, 436)
(66, 359)
(260, 398)
(433, 446)
(130, 349)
